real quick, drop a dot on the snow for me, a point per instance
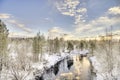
(53, 59)
(47, 62)
(95, 62)
(100, 74)
(77, 51)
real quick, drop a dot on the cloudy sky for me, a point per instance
(76, 18)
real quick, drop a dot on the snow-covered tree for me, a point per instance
(50, 46)
(92, 46)
(62, 44)
(3, 44)
(20, 67)
(38, 44)
(81, 45)
(70, 46)
(56, 45)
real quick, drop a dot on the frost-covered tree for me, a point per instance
(62, 44)
(70, 46)
(20, 67)
(119, 46)
(92, 46)
(50, 46)
(38, 44)
(107, 59)
(56, 45)
(81, 45)
(3, 44)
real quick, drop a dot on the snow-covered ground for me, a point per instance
(17, 57)
(20, 54)
(50, 60)
(106, 62)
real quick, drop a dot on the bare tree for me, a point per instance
(20, 67)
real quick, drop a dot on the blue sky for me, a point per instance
(76, 18)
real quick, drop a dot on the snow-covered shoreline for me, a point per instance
(53, 59)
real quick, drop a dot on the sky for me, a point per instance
(70, 18)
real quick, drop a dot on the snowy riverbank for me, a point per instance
(33, 69)
(50, 60)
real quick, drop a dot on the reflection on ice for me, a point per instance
(79, 71)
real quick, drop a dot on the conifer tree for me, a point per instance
(56, 45)
(70, 46)
(3, 44)
(81, 45)
(38, 44)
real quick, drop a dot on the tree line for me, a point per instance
(41, 45)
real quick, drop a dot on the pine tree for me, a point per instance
(62, 44)
(92, 46)
(70, 46)
(56, 45)
(50, 46)
(38, 44)
(41, 44)
(81, 45)
(3, 44)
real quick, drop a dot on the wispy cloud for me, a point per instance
(20, 25)
(100, 24)
(55, 30)
(70, 8)
(59, 32)
(114, 10)
(71, 36)
(117, 31)
(21, 34)
(4, 16)
(93, 27)
(8, 18)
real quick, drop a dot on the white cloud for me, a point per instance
(117, 32)
(91, 29)
(83, 10)
(19, 25)
(96, 25)
(114, 10)
(8, 18)
(70, 8)
(68, 13)
(55, 30)
(12, 21)
(70, 36)
(21, 34)
(96, 29)
(4, 16)
(80, 16)
(59, 32)
(81, 27)
(99, 24)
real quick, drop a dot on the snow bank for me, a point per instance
(81, 52)
(53, 59)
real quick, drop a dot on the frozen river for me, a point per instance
(80, 70)
(75, 68)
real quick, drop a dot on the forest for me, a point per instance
(28, 58)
